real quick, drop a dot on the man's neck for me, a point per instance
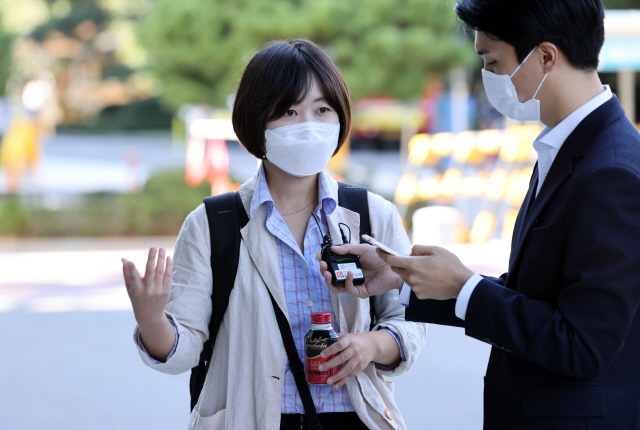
(568, 93)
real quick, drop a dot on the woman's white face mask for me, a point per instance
(302, 149)
(503, 95)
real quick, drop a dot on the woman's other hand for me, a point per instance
(356, 351)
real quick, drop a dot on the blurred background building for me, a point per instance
(117, 84)
(115, 124)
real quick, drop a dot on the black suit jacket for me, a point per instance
(563, 321)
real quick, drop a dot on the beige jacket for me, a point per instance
(243, 388)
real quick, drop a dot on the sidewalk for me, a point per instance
(75, 274)
(68, 330)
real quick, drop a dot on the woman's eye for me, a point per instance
(290, 113)
(323, 110)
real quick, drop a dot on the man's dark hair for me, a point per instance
(576, 27)
(278, 77)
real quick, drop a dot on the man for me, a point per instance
(563, 321)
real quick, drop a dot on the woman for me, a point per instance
(292, 110)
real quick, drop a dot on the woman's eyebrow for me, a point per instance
(320, 99)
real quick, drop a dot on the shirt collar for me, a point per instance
(556, 137)
(262, 194)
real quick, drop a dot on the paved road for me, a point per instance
(69, 362)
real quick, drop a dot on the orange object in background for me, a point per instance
(20, 151)
(208, 159)
(196, 169)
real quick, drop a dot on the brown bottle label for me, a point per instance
(314, 345)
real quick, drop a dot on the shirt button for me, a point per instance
(310, 303)
(388, 414)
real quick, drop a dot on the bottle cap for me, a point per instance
(321, 318)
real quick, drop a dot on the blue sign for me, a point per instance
(621, 50)
(620, 53)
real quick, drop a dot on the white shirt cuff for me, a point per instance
(405, 295)
(465, 294)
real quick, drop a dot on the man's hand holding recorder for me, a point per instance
(430, 271)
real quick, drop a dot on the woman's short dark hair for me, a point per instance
(278, 77)
(576, 27)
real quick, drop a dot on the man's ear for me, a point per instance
(550, 56)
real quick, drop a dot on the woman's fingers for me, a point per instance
(166, 280)
(339, 359)
(134, 277)
(151, 264)
(159, 272)
(125, 272)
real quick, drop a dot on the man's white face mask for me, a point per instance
(302, 149)
(503, 95)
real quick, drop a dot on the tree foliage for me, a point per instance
(622, 4)
(383, 47)
(6, 46)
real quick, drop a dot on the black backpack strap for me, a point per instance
(297, 368)
(226, 216)
(356, 199)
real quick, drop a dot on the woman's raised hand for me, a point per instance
(149, 295)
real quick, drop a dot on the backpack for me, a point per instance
(227, 216)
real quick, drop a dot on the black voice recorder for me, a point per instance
(340, 265)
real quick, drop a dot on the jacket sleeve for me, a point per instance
(390, 312)
(189, 306)
(580, 334)
(442, 312)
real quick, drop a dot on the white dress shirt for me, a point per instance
(547, 145)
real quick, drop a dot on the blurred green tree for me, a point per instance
(6, 60)
(622, 4)
(383, 47)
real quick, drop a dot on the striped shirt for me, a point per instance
(304, 289)
(305, 292)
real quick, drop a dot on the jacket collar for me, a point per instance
(263, 249)
(574, 148)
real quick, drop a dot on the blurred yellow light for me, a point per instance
(526, 152)
(442, 143)
(518, 186)
(419, 149)
(407, 188)
(489, 141)
(508, 224)
(524, 136)
(465, 142)
(483, 227)
(429, 188)
(474, 186)
(496, 184)
(451, 182)
(509, 149)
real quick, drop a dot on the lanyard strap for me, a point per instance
(296, 367)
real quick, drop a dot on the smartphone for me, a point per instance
(372, 241)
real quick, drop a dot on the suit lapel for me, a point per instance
(525, 209)
(576, 145)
